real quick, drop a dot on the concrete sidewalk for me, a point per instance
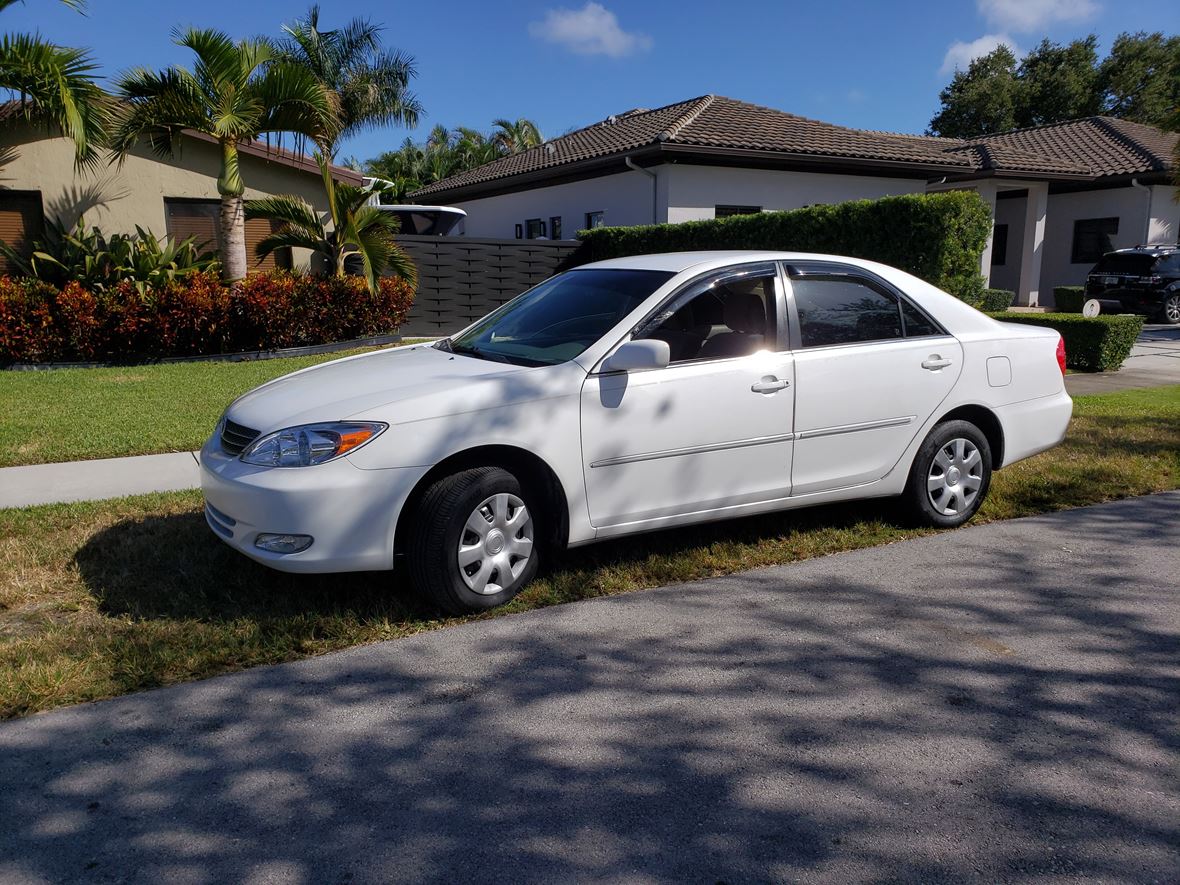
(94, 480)
(995, 704)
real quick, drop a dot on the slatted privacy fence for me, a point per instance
(460, 279)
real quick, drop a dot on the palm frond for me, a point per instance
(289, 210)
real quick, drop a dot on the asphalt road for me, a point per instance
(1000, 703)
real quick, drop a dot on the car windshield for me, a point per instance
(557, 320)
(1124, 264)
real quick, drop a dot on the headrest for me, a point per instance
(744, 313)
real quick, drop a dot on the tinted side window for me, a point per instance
(835, 310)
(1169, 264)
(916, 323)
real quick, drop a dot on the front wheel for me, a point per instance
(950, 476)
(1170, 312)
(472, 541)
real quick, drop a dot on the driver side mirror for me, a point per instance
(637, 356)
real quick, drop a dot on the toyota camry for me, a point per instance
(630, 395)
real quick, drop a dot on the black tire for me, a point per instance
(1170, 309)
(440, 523)
(927, 506)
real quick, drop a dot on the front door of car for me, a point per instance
(713, 428)
(871, 368)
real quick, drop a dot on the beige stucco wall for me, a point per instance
(118, 197)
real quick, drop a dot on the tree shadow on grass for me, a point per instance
(173, 567)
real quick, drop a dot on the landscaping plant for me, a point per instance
(86, 256)
(938, 237)
(1092, 344)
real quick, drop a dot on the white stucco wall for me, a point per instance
(695, 191)
(1126, 203)
(625, 198)
(1165, 215)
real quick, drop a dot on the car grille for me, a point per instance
(235, 437)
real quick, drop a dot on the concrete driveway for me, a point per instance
(1000, 703)
(1154, 361)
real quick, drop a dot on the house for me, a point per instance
(174, 196)
(1061, 194)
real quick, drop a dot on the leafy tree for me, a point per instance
(516, 136)
(1141, 78)
(360, 232)
(980, 100)
(236, 91)
(1059, 83)
(369, 84)
(54, 86)
(447, 152)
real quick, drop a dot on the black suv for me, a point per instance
(1143, 280)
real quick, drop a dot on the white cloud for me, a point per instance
(591, 30)
(1033, 15)
(960, 54)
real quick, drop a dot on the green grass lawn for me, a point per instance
(104, 598)
(78, 414)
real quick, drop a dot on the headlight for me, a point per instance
(311, 444)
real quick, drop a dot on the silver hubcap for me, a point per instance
(956, 475)
(1172, 308)
(496, 544)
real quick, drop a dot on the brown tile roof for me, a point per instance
(712, 124)
(1102, 145)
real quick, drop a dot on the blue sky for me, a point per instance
(566, 63)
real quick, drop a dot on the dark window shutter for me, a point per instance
(21, 220)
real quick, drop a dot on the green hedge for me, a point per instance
(995, 299)
(1092, 344)
(1069, 299)
(938, 237)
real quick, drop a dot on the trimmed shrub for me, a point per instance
(1069, 299)
(192, 317)
(1092, 344)
(938, 237)
(991, 300)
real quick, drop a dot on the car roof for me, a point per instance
(1148, 249)
(678, 262)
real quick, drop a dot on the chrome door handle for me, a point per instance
(935, 362)
(769, 384)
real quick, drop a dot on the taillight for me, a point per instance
(1061, 354)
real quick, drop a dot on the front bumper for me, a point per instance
(350, 513)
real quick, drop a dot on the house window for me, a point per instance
(21, 220)
(201, 219)
(555, 226)
(730, 211)
(595, 220)
(999, 245)
(1092, 238)
(534, 228)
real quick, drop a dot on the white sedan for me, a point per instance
(630, 395)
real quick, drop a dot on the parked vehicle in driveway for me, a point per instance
(1143, 280)
(629, 395)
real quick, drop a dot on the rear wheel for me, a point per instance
(472, 541)
(1170, 312)
(950, 476)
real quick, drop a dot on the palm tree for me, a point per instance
(54, 86)
(359, 230)
(370, 84)
(237, 91)
(516, 136)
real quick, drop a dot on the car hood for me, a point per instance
(376, 385)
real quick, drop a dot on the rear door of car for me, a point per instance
(871, 368)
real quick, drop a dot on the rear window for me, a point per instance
(1125, 264)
